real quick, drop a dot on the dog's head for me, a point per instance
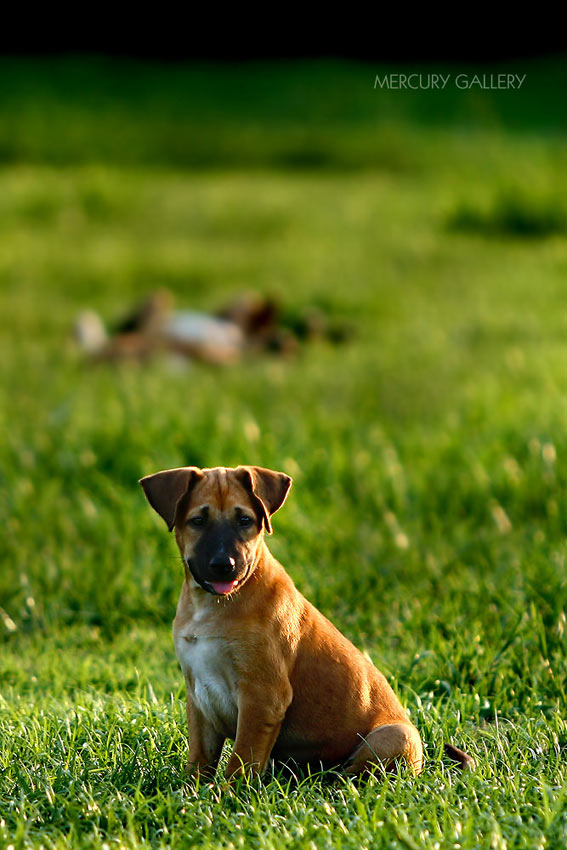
(219, 516)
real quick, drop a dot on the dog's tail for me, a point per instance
(464, 761)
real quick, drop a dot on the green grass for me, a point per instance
(514, 214)
(428, 514)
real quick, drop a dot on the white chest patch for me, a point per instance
(206, 663)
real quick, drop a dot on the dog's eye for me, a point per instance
(196, 521)
(245, 521)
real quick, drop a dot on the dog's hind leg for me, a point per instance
(386, 745)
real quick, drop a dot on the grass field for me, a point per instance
(428, 516)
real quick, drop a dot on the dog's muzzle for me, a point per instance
(221, 581)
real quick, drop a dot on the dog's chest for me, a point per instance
(208, 668)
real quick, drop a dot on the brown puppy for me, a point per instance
(263, 666)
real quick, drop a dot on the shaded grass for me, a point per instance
(513, 214)
(310, 115)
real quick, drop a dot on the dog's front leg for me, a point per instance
(260, 717)
(205, 743)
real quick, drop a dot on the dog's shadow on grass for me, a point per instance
(290, 778)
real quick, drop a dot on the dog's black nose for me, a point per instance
(222, 564)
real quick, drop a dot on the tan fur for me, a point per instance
(262, 665)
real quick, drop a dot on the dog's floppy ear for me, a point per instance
(268, 489)
(164, 490)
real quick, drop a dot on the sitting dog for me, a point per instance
(262, 665)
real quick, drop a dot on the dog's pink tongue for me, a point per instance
(223, 587)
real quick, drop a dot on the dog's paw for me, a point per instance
(202, 773)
